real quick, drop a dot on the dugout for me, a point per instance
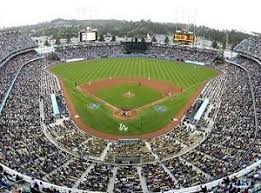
(56, 111)
(201, 110)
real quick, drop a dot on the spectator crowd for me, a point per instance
(173, 52)
(12, 42)
(61, 154)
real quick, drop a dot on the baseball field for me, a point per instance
(130, 96)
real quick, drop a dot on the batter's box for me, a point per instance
(160, 109)
(94, 106)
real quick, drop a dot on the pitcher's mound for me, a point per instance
(128, 94)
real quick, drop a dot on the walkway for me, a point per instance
(84, 174)
(112, 180)
(142, 181)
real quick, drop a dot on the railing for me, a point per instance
(31, 180)
(4, 60)
(13, 82)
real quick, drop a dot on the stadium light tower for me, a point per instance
(194, 27)
(227, 41)
(184, 34)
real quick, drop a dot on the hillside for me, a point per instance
(61, 28)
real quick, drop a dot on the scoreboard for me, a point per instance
(184, 37)
(88, 36)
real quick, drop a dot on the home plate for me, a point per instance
(76, 116)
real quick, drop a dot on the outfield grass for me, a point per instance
(115, 95)
(183, 75)
(187, 76)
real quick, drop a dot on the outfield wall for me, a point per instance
(138, 55)
(195, 62)
(74, 60)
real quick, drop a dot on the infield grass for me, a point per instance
(187, 76)
(117, 95)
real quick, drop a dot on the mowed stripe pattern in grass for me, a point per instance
(183, 75)
(187, 76)
(141, 95)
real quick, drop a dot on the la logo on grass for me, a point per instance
(123, 127)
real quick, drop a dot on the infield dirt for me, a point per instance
(103, 84)
(164, 87)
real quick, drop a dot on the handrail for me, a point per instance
(13, 82)
(32, 180)
(255, 113)
(4, 60)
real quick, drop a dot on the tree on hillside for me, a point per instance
(215, 44)
(68, 41)
(101, 38)
(119, 28)
(142, 40)
(113, 39)
(224, 45)
(166, 39)
(225, 42)
(154, 39)
(57, 41)
(46, 43)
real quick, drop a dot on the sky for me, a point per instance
(220, 14)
